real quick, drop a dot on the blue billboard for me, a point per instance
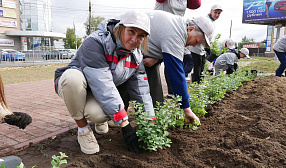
(259, 11)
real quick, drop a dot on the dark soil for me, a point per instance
(246, 129)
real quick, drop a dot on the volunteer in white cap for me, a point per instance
(107, 65)
(199, 52)
(170, 34)
(178, 8)
(215, 12)
(244, 51)
(229, 61)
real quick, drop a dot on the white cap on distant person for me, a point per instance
(216, 6)
(137, 19)
(229, 43)
(206, 25)
(245, 51)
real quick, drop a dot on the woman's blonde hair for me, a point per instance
(2, 95)
(117, 31)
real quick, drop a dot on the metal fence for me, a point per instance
(33, 58)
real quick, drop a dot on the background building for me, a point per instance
(9, 21)
(27, 25)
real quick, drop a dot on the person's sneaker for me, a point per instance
(101, 128)
(112, 124)
(87, 141)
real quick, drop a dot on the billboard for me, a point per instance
(259, 11)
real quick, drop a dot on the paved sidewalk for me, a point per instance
(48, 111)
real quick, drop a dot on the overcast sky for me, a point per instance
(67, 12)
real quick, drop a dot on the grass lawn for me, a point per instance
(262, 64)
(12, 75)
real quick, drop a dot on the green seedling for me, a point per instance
(59, 160)
(154, 132)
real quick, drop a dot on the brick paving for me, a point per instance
(48, 111)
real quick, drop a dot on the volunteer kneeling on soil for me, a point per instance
(18, 119)
(107, 65)
(170, 34)
(228, 61)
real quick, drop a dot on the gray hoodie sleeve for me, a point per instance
(100, 80)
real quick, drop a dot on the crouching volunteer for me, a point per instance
(229, 61)
(18, 119)
(107, 66)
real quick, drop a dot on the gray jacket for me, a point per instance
(229, 58)
(104, 70)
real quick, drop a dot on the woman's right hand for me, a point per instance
(131, 139)
(148, 61)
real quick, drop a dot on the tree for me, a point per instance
(246, 40)
(94, 23)
(69, 41)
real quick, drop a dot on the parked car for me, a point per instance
(52, 54)
(12, 55)
(280, 6)
(71, 51)
(65, 54)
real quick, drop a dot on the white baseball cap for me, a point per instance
(206, 25)
(137, 19)
(245, 51)
(215, 7)
(229, 43)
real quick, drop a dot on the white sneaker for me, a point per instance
(188, 78)
(112, 124)
(87, 141)
(101, 128)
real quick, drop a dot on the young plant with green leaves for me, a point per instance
(58, 161)
(214, 87)
(216, 46)
(153, 131)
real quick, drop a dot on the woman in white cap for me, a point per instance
(107, 65)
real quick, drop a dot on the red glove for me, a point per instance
(193, 4)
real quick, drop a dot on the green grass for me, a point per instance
(12, 75)
(262, 64)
